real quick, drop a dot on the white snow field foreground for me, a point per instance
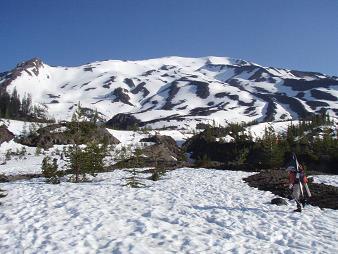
(188, 211)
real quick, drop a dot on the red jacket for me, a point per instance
(292, 177)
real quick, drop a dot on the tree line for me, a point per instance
(313, 140)
(13, 107)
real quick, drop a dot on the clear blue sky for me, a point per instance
(297, 34)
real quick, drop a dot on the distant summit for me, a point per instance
(176, 91)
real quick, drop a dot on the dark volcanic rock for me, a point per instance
(315, 104)
(148, 73)
(294, 104)
(259, 77)
(84, 84)
(141, 87)
(3, 178)
(271, 108)
(52, 96)
(164, 153)
(276, 181)
(173, 90)
(300, 95)
(33, 64)
(166, 67)
(303, 85)
(62, 134)
(167, 141)
(129, 82)
(235, 97)
(88, 68)
(304, 74)
(90, 88)
(321, 95)
(12, 178)
(5, 134)
(202, 89)
(123, 122)
(122, 96)
(205, 111)
(279, 201)
(110, 80)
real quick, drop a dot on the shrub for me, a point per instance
(38, 151)
(157, 173)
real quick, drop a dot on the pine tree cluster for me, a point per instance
(12, 107)
(313, 140)
(90, 159)
(86, 161)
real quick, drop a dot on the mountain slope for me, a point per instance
(177, 91)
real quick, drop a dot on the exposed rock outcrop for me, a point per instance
(165, 148)
(122, 96)
(163, 154)
(63, 134)
(123, 122)
(31, 67)
(5, 134)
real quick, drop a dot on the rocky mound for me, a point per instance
(164, 153)
(12, 178)
(165, 148)
(123, 122)
(5, 134)
(65, 133)
(276, 181)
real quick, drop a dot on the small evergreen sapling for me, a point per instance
(22, 152)
(8, 154)
(38, 151)
(157, 173)
(133, 181)
(50, 170)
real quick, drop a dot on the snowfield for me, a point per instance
(188, 211)
(326, 179)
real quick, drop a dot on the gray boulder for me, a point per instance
(279, 201)
(123, 122)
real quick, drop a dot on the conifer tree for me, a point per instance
(74, 152)
(50, 170)
(88, 160)
(94, 155)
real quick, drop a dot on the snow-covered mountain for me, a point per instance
(177, 91)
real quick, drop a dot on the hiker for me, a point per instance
(297, 183)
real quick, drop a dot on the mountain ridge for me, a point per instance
(192, 90)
